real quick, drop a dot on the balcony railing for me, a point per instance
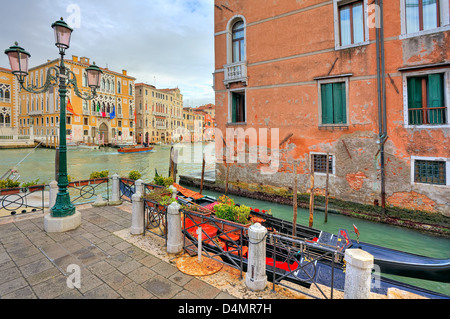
(35, 113)
(235, 72)
(427, 116)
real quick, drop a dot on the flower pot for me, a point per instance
(230, 226)
(154, 204)
(9, 191)
(35, 188)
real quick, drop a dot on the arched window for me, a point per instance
(85, 79)
(131, 89)
(118, 86)
(238, 42)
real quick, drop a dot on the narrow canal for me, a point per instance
(41, 162)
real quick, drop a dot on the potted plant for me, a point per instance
(197, 210)
(99, 177)
(159, 198)
(236, 215)
(33, 186)
(9, 186)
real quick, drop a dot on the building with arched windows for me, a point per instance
(364, 103)
(159, 114)
(108, 119)
(8, 100)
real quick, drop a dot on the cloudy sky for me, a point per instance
(167, 43)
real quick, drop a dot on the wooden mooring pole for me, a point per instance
(326, 187)
(203, 174)
(311, 196)
(294, 200)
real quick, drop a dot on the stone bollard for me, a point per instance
(137, 214)
(358, 272)
(115, 190)
(174, 234)
(139, 186)
(256, 278)
(174, 191)
(52, 194)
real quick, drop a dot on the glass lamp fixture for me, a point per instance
(18, 60)
(94, 75)
(62, 34)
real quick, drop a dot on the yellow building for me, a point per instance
(8, 102)
(108, 119)
(159, 114)
(194, 123)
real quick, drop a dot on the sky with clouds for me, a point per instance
(166, 43)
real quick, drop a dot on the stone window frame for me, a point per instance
(230, 106)
(427, 158)
(444, 20)
(405, 77)
(333, 160)
(334, 79)
(337, 29)
(229, 36)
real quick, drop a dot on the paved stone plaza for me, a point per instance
(34, 264)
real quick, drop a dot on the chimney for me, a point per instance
(74, 58)
(124, 72)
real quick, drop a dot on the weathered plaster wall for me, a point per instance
(289, 44)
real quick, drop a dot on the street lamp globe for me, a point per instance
(62, 34)
(18, 60)
(94, 74)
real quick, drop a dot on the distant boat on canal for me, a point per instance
(135, 149)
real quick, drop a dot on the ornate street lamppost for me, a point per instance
(18, 59)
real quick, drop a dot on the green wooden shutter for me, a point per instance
(327, 103)
(414, 100)
(436, 99)
(234, 106)
(339, 105)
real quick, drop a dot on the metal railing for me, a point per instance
(305, 263)
(86, 191)
(223, 241)
(428, 116)
(155, 214)
(22, 200)
(127, 189)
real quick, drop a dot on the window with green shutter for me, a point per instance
(334, 103)
(426, 102)
(237, 107)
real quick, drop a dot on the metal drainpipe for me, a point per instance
(381, 86)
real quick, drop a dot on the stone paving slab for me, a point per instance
(34, 264)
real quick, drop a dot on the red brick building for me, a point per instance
(310, 69)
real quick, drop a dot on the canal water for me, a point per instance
(41, 163)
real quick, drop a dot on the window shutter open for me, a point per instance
(327, 103)
(339, 103)
(435, 98)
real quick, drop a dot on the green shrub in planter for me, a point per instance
(134, 175)
(8, 183)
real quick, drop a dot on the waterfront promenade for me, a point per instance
(33, 263)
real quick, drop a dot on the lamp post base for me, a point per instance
(62, 224)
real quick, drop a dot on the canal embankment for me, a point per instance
(432, 223)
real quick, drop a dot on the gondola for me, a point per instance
(389, 260)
